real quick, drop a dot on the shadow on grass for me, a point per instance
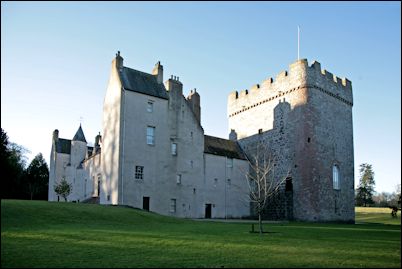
(257, 232)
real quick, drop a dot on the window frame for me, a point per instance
(173, 204)
(150, 135)
(150, 106)
(173, 149)
(336, 177)
(139, 172)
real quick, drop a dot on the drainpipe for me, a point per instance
(122, 150)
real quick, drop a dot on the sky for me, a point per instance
(56, 59)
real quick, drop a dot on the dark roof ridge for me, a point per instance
(223, 147)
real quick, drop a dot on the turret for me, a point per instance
(78, 147)
(158, 72)
(194, 102)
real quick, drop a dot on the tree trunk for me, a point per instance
(260, 222)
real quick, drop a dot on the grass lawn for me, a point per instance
(48, 234)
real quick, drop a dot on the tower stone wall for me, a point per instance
(304, 118)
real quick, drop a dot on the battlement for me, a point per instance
(300, 75)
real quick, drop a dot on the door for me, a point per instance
(208, 211)
(145, 203)
(98, 188)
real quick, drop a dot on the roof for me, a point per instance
(63, 146)
(223, 147)
(141, 82)
(79, 135)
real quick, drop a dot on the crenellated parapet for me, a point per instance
(299, 76)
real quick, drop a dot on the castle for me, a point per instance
(153, 153)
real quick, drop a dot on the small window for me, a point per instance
(215, 182)
(229, 182)
(178, 179)
(150, 135)
(150, 106)
(194, 191)
(172, 205)
(174, 149)
(192, 164)
(139, 172)
(108, 197)
(229, 162)
(335, 177)
(308, 140)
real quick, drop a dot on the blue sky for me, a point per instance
(56, 56)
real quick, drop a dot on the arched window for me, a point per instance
(335, 177)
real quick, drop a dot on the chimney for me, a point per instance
(55, 135)
(194, 102)
(119, 61)
(158, 72)
(233, 135)
(174, 86)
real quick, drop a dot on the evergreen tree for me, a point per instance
(365, 190)
(12, 161)
(37, 178)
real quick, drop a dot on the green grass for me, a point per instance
(376, 215)
(43, 234)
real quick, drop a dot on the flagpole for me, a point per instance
(298, 43)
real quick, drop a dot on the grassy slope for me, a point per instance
(42, 234)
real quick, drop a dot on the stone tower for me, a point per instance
(304, 117)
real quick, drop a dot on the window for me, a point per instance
(229, 162)
(335, 177)
(192, 164)
(288, 184)
(150, 106)
(139, 172)
(178, 179)
(150, 135)
(108, 197)
(229, 182)
(174, 149)
(215, 182)
(172, 205)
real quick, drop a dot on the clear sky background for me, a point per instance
(56, 57)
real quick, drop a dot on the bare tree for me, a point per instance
(262, 179)
(63, 188)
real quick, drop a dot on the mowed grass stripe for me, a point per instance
(43, 234)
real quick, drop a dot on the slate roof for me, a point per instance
(79, 135)
(141, 82)
(63, 146)
(222, 147)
